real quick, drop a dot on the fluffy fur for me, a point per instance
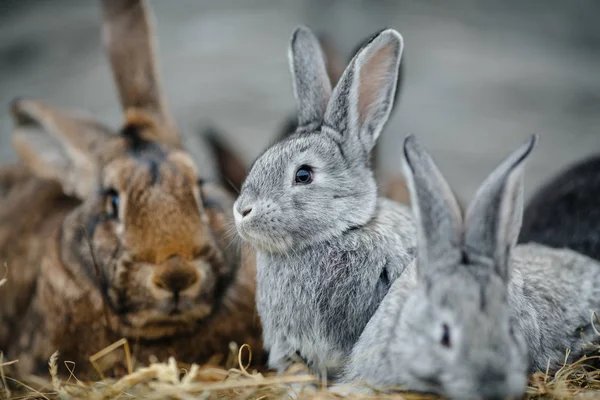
(327, 251)
(112, 234)
(394, 186)
(478, 313)
(565, 212)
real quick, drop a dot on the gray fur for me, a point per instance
(328, 251)
(312, 87)
(508, 312)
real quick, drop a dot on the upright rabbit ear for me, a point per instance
(494, 217)
(58, 146)
(129, 42)
(312, 87)
(363, 98)
(439, 221)
(230, 166)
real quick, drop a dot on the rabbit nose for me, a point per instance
(246, 211)
(175, 280)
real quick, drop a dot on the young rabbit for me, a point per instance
(565, 212)
(393, 186)
(112, 236)
(479, 313)
(327, 247)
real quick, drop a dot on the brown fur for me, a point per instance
(110, 235)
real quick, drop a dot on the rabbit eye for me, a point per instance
(304, 175)
(113, 202)
(446, 337)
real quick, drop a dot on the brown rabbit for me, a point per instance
(111, 235)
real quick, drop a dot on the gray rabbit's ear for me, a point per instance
(438, 216)
(312, 87)
(362, 100)
(493, 219)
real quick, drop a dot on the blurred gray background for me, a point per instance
(481, 75)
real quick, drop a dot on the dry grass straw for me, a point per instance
(578, 380)
(4, 279)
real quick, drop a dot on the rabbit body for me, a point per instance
(113, 234)
(552, 294)
(55, 299)
(316, 302)
(328, 248)
(41, 205)
(475, 313)
(564, 212)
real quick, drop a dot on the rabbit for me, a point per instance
(327, 247)
(564, 212)
(479, 312)
(232, 168)
(393, 186)
(111, 235)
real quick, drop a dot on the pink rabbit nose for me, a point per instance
(246, 211)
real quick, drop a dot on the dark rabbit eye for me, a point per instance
(304, 175)
(446, 337)
(113, 201)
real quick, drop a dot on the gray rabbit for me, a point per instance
(480, 312)
(328, 249)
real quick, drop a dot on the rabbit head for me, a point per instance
(146, 231)
(457, 322)
(318, 182)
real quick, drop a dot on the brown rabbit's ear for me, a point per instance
(129, 41)
(396, 189)
(57, 146)
(231, 168)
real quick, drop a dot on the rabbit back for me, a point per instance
(553, 293)
(304, 300)
(564, 212)
(31, 210)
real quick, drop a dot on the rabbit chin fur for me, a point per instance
(328, 248)
(468, 324)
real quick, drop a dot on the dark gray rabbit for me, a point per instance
(480, 312)
(328, 248)
(565, 212)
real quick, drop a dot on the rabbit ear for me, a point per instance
(129, 42)
(362, 100)
(312, 87)
(438, 216)
(232, 169)
(335, 67)
(494, 217)
(58, 146)
(333, 60)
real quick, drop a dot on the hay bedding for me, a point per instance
(172, 381)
